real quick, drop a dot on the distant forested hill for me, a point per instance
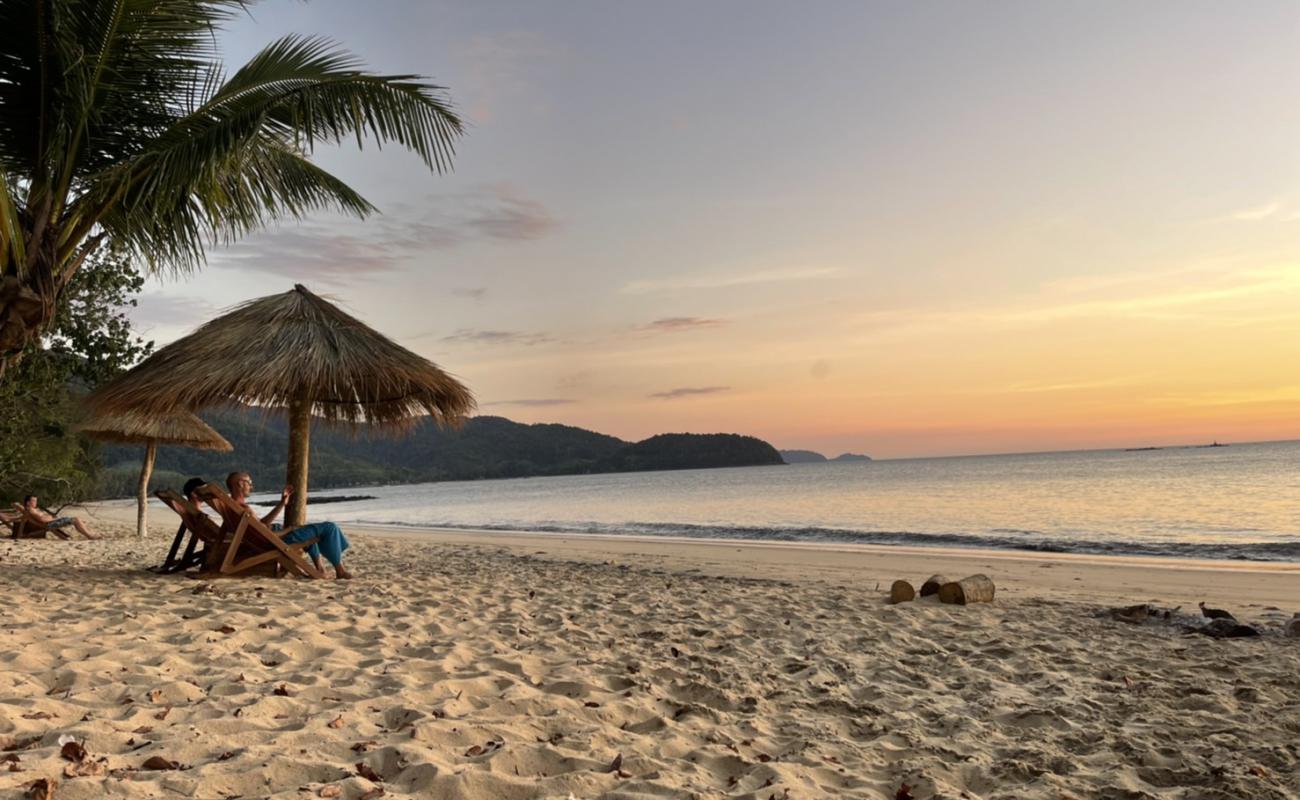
(692, 451)
(485, 447)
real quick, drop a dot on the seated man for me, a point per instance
(332, 541)
(47, 519)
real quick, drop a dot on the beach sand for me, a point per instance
(477, 665)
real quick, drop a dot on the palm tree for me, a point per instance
(119, 125)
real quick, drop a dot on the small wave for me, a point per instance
(997, 539)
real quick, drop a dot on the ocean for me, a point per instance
(1236, 502)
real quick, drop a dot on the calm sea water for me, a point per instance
(1237, 502)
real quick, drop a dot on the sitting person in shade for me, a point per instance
(48, 519)
(332, 541)
(191, 487)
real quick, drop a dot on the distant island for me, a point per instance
(1215, 443)
(484, 447)
(801, 456)
(813, 457)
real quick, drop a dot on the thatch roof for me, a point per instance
(292, 346)
(139, 427)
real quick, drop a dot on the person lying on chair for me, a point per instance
(47, 519)
(332, 541)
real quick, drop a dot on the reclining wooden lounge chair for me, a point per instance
(201, 529)
(252, 542)
(26, 526)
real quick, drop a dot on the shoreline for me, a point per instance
(1118, 580)
(398, 529)
(1083, 577)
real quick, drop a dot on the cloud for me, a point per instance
(690, 391)
(730, 281)
(1287, 395)
(675, 324)
(1222, 296)
(1169, 303)
(494, 212)
(180, 311)
(508, 218)
(534, 402)
(476, 294)
(574, 380)
(473, 336)
(312, 251)
(1257, 213)
(1277, 211)
(341, 250)
(1069, 386)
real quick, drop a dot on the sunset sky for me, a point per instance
(895, 228)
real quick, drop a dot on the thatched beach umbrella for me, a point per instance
(152, 429)
(294, 351)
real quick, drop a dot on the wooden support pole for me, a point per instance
(296, 469)
(142, 491)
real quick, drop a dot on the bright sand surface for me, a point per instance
(488, 665)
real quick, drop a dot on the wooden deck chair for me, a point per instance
(27, 526)
(252, 541)
(201, 529)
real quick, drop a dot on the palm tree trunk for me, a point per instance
(142, 491)
(296, 469)
(22, 315)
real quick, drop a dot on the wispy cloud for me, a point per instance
(341, 251)
(1207, 296)
(1275, 211)
(1258, 212)
(690, 391)
(312, 251)
(1069, 386)
(676, 324)
(476, 294)
(474, 336)
(505, 217)
(570, 381)
(534, 402)
(179, 311)
(1169, 303)
(1286, 395)
(730, 281)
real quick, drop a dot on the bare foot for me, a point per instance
(342, 573)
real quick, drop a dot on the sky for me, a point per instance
(893, 228)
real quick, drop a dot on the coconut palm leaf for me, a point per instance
(11, 239)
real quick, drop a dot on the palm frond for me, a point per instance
(212, 176)
(11, 234)
(309, 87)
(267, 181)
